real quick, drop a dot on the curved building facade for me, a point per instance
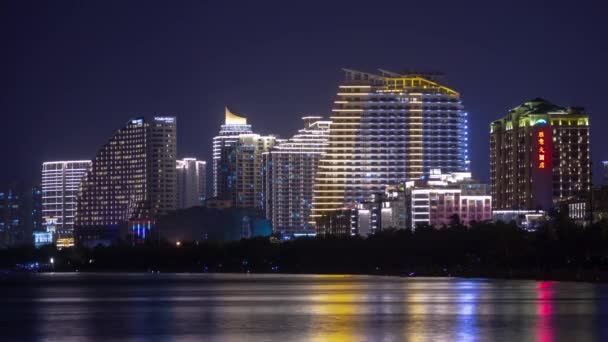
(388, 128)
(291, 167)
(132, 180)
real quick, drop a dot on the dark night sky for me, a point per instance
(73, 72)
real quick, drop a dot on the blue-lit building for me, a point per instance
(36, 210)
(12, 219)
(388, 128)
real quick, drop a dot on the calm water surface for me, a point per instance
(193, 307)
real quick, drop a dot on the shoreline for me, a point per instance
(472, 276)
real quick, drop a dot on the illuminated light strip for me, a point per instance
(65, 162)
(326, 209)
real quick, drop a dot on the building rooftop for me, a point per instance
(233, 119)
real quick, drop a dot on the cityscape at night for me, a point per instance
(307, 171)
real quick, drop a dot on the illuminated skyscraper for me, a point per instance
(291, 167)
(60, 186)
(131, 182)
(540, 157)
(191, 182)
(247, 166)
(228, 136)
(386, 129)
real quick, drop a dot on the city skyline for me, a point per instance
(79, 98)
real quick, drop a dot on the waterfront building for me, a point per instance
(386, 211)
(438, 200)
(388, 128)
(540, 158)
(60, 187)
(12, 218)
(132, 181)
(442, 199)
(341, 222)
(599, 203)
(527, 219)
(605, 172)
(191, 182)
(36, 220)
(42, 238)
(290, 171)
(228, 136)
(213, 223)
(249, 182)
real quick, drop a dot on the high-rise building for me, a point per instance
(191, 182)
(60, 187)
(249, 183)
(233, 126)
(131, 182)
(290, 173)
(605, 172)
(386, 129)
(36, 209)
(539, 157)
(12, 218)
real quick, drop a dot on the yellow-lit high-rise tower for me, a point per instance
(388, 128)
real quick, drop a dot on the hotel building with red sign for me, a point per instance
(540, 157)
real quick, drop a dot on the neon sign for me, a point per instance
(541, 163)
(541, 149)
(167, 119)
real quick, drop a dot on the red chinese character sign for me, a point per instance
(542, 166)
(543, 161)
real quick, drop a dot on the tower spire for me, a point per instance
(233, 119)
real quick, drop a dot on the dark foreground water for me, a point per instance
(192, 307)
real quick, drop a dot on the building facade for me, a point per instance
(36, 209)
(12, 218)
(540, 157)
(386, 129)
(389, 211)
(249, 183)
(290, 173)
(191, 182)
(445, 198)
(60, 186)
(228, 136)
(131, 182)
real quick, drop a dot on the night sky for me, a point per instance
(73, 72)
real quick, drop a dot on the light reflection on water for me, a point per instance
(302, 308)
